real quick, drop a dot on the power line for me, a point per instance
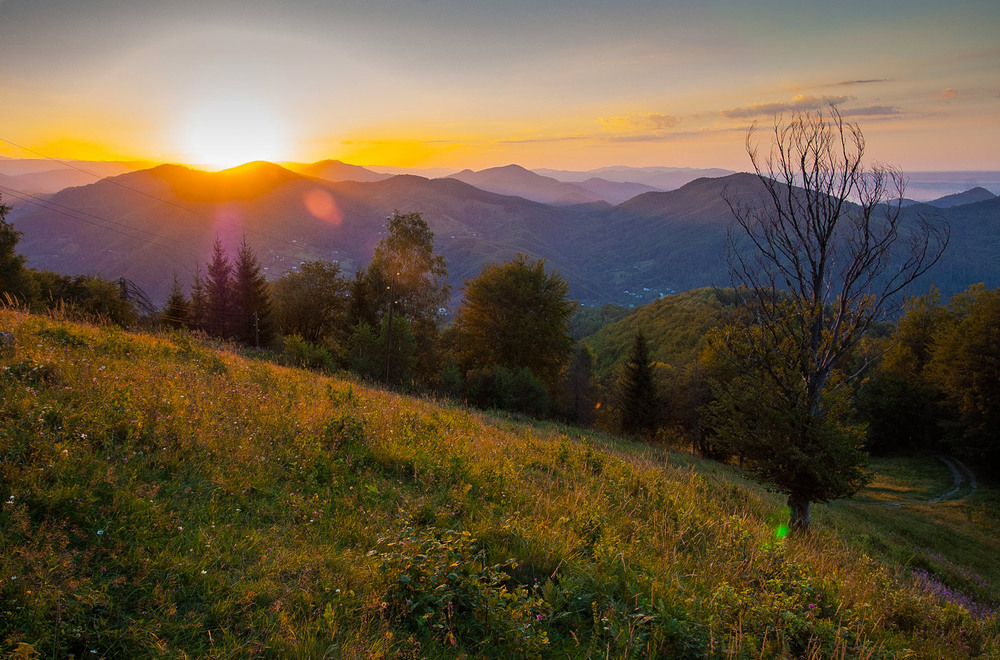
(50, 205)
(72, 214)
(114, 181)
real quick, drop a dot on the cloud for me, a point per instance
(798, 103)
(870, 111)
(847, 83)
(949, 93)
(563, 138)
(650, 121)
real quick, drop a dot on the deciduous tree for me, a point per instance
(965, 365)
(405, 278)
(817, 261)
(516, 315)
(14, 277)
(312, 302)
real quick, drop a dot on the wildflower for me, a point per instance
(100, 532)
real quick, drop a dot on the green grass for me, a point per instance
(161, 498)
(955, 541)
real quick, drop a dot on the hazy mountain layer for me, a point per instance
(149, 224)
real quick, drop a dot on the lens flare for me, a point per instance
(321, 204)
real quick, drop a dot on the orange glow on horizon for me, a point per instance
(229, 130)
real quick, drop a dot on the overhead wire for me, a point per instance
(116, 182)
(75, 214)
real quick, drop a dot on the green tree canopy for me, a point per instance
(219, 293)
(312, 302)
(14, 277)
(404, 278)
(516, 315)
(965, 365)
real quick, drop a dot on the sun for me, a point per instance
(226, 131)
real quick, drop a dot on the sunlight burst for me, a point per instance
(228, 131)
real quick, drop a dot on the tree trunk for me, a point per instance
(799, 518)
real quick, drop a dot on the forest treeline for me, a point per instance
(518, 343)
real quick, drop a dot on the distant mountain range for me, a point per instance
(146, 225)
(43, 176)
(516, 180)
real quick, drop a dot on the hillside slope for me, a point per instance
(160, 498)
(674, 327)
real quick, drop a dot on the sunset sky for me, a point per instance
(482, 83)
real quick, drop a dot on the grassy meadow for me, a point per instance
(163, 498)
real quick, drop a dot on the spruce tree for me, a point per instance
(251, 304)
(199, 302)
(177, 312)
(638, 400)
(219, 293)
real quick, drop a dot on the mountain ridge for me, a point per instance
(148, 224)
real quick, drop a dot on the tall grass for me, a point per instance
(160, 498)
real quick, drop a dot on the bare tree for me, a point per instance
(817, 260)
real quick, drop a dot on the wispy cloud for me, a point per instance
(949, 93)
(798, 103)
(562, 138)
(870, 111)
(672, 135)
(650, 121)
(849, 83)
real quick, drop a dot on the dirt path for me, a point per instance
(963, 485)
(962, 476)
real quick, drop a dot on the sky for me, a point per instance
(481, 83)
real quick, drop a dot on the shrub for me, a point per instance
(301, 353)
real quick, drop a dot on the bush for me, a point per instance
(301, 353)
(514, 390)
(442, 585)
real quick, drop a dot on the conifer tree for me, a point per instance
(219, 293)
(199, 302)
(177, 312)
(251, 302)
(638, 400)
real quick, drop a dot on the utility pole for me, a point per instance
(388, 327)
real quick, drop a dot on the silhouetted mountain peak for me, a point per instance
(971, 196)
(337, 171)
(246, 181)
